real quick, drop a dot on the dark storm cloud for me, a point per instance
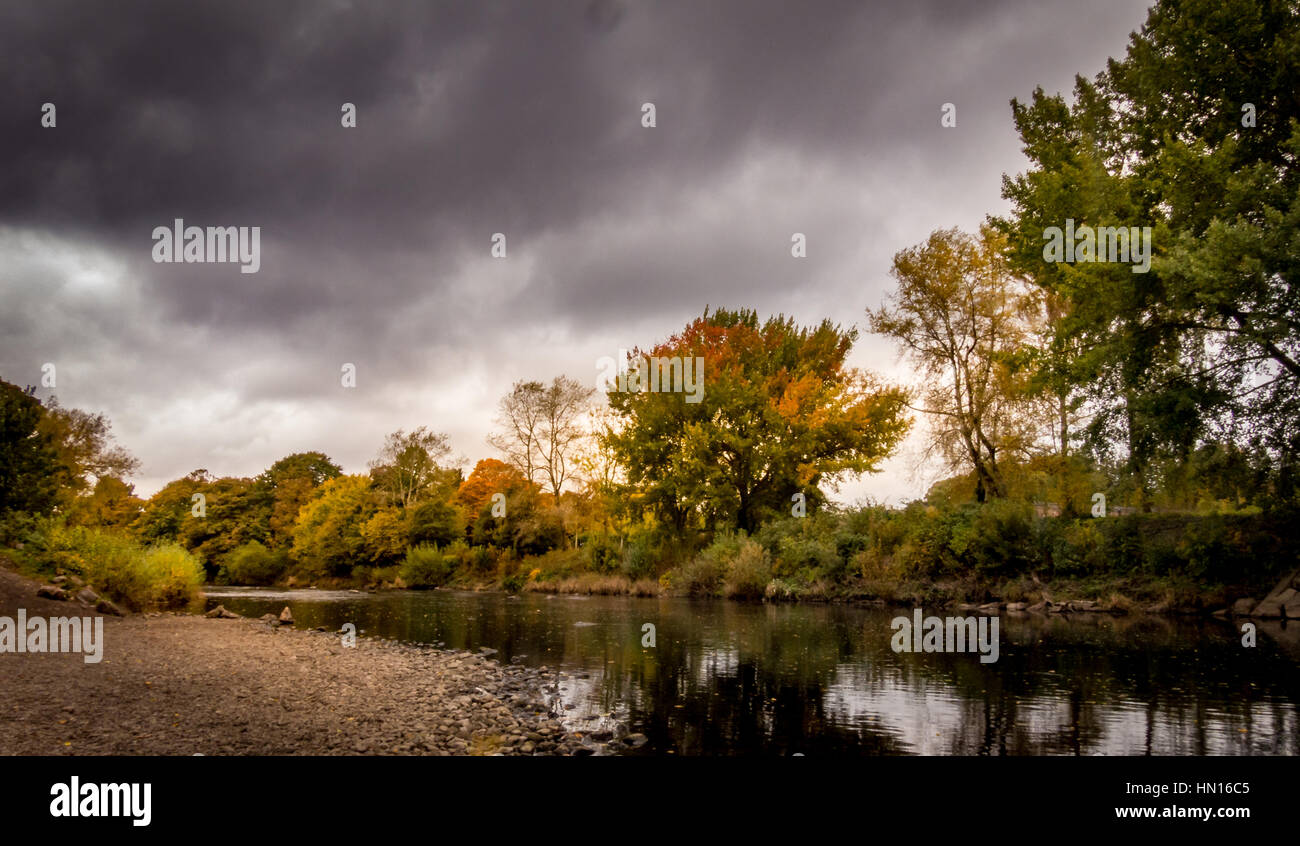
(475, 118)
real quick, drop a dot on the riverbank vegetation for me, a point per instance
(1111, 430)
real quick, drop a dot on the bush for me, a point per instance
(637, 562)
(481, 559)
(749, 572)
(253, 564)
(118, 566)
(997, 538)
(425, 567)
(172, 576)
(811, 548)
(602, 554)
(1077, 548)
(703, 574)
(808, 558)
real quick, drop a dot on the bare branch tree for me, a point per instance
(520, 416)
(409, 465)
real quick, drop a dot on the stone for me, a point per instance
(87, 596)
(221, 613)
(1037, 608)
(636, 740)
(1243, 607)
(286, 616)
(105, 606)
(1017, 606)
(52, 592)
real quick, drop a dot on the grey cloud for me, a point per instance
(474, 118)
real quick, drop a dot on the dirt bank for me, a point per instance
(178, 684)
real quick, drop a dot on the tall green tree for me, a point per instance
(29, 457)
(1195, 132)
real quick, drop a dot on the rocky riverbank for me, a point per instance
(180, 684)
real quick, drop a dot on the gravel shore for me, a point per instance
(179, 684)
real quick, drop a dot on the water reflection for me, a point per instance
(732, 678)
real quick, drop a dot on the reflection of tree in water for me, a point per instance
(778, 679)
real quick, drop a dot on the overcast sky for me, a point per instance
(474, 118)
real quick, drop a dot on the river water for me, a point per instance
(734, 678)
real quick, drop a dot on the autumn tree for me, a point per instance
(598, 471)
(489, 476)
(961, 318)
(166, 513)
(287, 485)
(328, 539)
(112, 504)
(85, 447)
(780, 414)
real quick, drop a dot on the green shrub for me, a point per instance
(637, 562)
(703, 574)
(120, 567)
(253, 564)
(997, 538)
(425, 567)
(481, 559)
(172, 576)
(749, 571)
(1076, 548)
(458, 555)
(602, 554)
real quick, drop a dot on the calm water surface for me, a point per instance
(733, 678)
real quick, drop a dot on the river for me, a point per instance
(734, 678)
